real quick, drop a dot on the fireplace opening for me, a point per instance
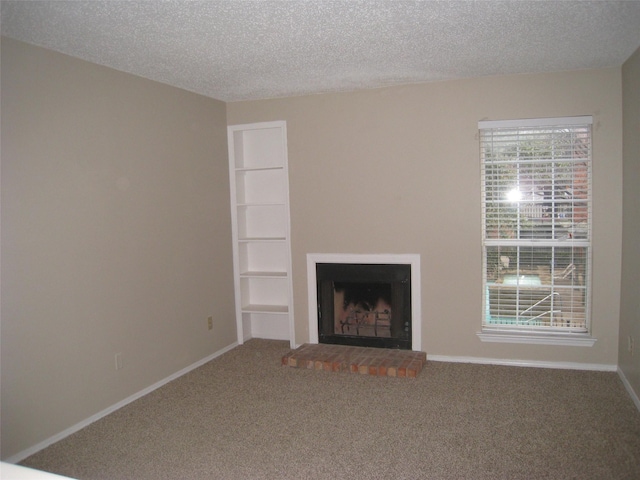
(364, 304)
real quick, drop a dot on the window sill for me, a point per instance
(535, 338)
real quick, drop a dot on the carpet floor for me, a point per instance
(245, 416)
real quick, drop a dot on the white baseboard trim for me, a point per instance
(630, 390)
(80, 425)
(599, 367)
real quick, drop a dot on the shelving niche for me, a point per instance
(260, 219)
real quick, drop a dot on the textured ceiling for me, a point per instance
(240, 50)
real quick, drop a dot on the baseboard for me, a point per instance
(630, 390)
(80, 425)
(525, 363)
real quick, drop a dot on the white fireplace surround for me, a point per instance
(410, 259)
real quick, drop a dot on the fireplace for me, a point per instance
(366, 305)
(364, 300)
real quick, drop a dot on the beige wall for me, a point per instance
(630, 298)
(115, 238)
(396, 170)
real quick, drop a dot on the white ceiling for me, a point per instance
(245, 49)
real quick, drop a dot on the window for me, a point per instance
(536, 218)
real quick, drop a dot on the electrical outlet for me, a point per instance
(118, 361)
(210, 323)
(630, 345)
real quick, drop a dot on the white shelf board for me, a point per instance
(265, 309)
(264, 274)
(273, 204)
(258, 169)
(262, 239)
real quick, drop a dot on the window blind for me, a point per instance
(536, 220)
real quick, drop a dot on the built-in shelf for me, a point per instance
(260, 219)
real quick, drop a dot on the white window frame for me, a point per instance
(501, 330)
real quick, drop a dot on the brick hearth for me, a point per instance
(362, 360)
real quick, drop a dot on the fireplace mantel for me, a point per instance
(339, 258)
